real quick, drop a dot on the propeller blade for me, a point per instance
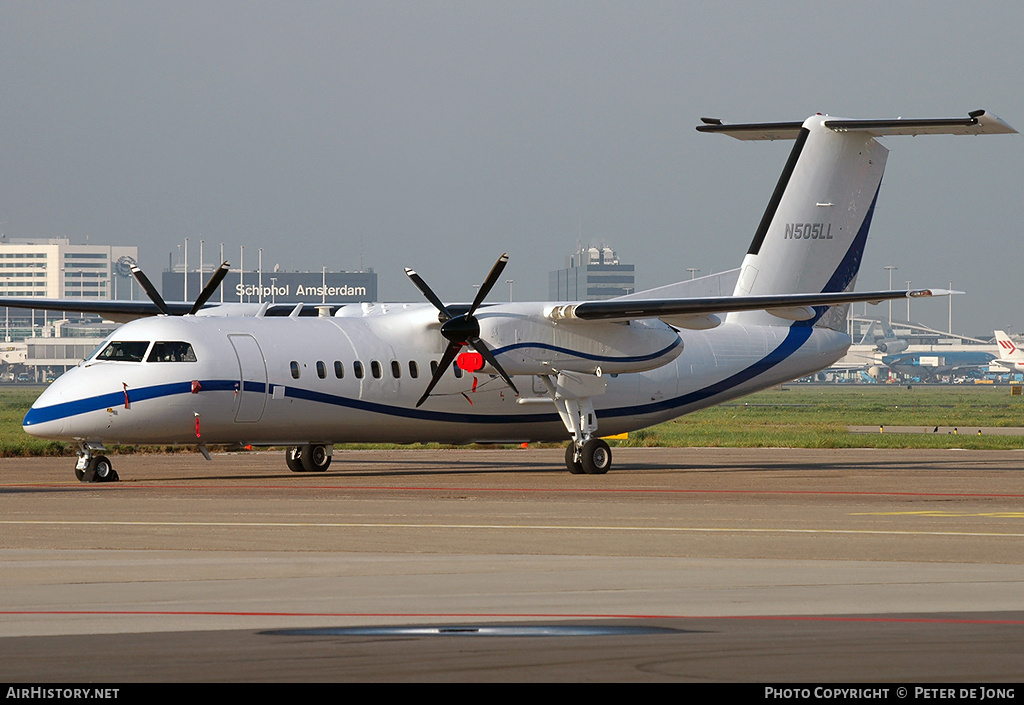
(442, 367)
(463, 329)
(489, 282)
(485, 353)
(417, 280)
(150, 290)
(211, 286)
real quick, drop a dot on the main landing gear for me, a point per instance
(573, 394)
(593, 458)
(312, 457)
(94, 468)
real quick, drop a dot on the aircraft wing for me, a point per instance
(796, 307)
(124, 311)
(111, 310)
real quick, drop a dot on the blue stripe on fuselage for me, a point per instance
(68, 409)
(795, 338)
(589, 356)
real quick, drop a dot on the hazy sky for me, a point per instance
(437, 135)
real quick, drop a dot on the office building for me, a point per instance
(54, 268)
(592, 273)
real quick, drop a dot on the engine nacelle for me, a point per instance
(892, 347)
(535, 346)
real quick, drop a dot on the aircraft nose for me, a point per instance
(45, 419)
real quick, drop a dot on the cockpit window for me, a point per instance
(171, 352)
(124, 351)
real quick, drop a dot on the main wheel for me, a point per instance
(315, 458)
(575, 467)
(293, 457)
(102, 470)
(596, 457)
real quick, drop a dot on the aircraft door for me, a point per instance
(252, 379)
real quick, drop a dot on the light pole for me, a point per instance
(185, 297)
(693, 272)
(908, 303)
(950, 297)
(891, 270)
(510, 282)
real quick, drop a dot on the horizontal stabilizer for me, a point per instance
(977, 122)
(752, 130)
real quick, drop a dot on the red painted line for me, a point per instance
(505, 615)
(550, 490)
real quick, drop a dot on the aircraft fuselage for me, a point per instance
(355, 377)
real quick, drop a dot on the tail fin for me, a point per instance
(1008, 350)
(812, 235)
(869, 335)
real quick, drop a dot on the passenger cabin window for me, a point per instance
(321, 369)
(124, 351)
(339, 369)
(414, 370)
(434, 365)
(357, 369)
(295, 369)
(375, 369)
(171, 352)
(396, 369)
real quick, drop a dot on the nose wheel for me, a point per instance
(94, 468)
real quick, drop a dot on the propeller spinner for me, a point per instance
(462, 330)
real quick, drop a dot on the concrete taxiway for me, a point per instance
(750, 565)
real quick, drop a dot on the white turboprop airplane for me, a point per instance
(1010, 356)
(241, 374)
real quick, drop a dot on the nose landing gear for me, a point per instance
(94, 468)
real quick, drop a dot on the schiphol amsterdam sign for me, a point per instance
(304, 292)
(278, 287)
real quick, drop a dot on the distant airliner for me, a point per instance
(1010, 356)
(250, 374)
